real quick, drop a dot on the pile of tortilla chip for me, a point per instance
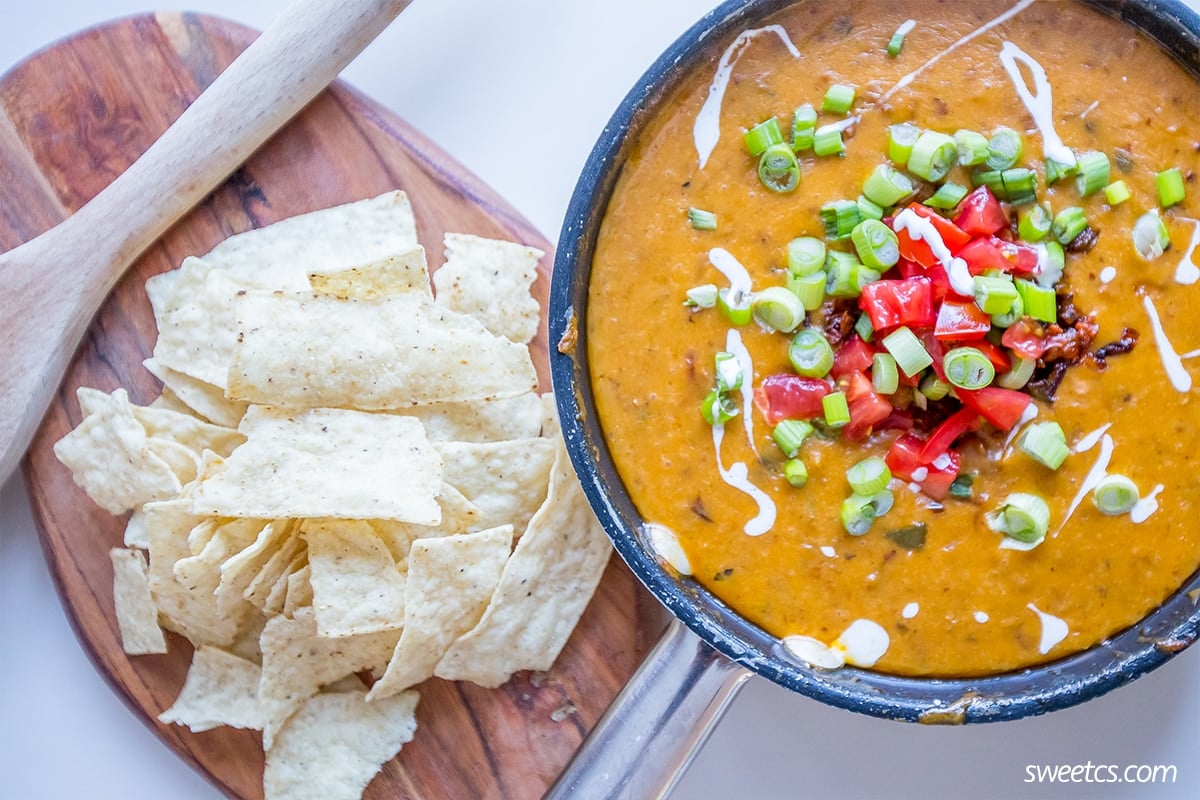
(348, 486)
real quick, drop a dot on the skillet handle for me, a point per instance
(649, 735)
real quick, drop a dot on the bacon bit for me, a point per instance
(1084, 242)
(1069, 344)
(1129, 338)
(697, 508)
(837, 320)
(1046, 386)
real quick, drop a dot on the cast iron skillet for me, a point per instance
(651, 731)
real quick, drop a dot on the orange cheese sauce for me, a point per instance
(652, 358)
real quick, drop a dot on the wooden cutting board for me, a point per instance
(72, 118)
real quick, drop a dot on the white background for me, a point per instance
(518, 91)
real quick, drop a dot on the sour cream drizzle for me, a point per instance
(1028, 415)
(1187, 272)
(665, 543)
(1110, 272)
(1179, 377)
(1146, 505)
(734, 345)
(1094, 476)
(1054, 630)
(1040, 105)
(921, 229)
(1089, 441)
(724, 262)
(737, 476)
(910, 610)
(863, 643)
(706, 131)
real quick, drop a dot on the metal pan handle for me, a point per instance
(657, 724)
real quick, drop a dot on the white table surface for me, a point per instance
(518, 91)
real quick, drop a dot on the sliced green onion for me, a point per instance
(884, 376)
(702, 220)
(1116, 193)
(1034, 224)
(804, 124)
(961, 487)
(1150, 236)
(888, 186)
(795, 473)
(704, 296)
(717, 408)
(734, 305)
(1054, 262)
(837, 412)
(778, 169)
(932, 156)
(865, 275)
(1057, 170)
(1115, 494)
(838, 99)
(895, 43)
(842, 275)
(1024, 517)
(728, 371)
(876, 244)
(967, 368)
(790, 434)
(1004, 148)
(839, 218)
(859, 512)
(972, 148)
(911, 356)
(805, 255)
(934, 387)
(901, 138)
(1045, 443)
(869, 476)
(810, 353)
(809, 288)
(994, 295)
(777, 308)
(1069, 223)
(868, 209)
(1018, 374)
(762, 136)
(1170, 187)
(864, 328)
(1093, 172)
(1010, 317)
(827, 141)
(947, 196)
(1040, 302)
(1017, 185)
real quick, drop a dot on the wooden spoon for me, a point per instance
(51, 286)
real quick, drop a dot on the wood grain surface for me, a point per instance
(72, 117)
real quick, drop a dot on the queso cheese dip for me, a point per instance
(1004, 370)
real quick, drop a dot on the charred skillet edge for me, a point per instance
(1129, 654)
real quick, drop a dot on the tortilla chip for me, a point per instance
(183, 462)
(491, 280)
(496, 420)
(187, 430)
(239, 570)
(505, 480)
(281, 255)
(357, 586)
(137, 618)
(110, 457)
(289, 557)
(325, 463)
(546, 585)
(297, 663)
(197, 335)
(406, 272)
(274, 601)
(220, 689)
(459, 515)
(211, 544)
(313, 350)
(299, 590)
(169, 401)
(335, 744)
(450, 581)
(160, 289)
(204, 399)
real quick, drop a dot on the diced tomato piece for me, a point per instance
(1026, 337)
(996, 355)
(786, 396)
(918, 249)
(999, 406)
(937, 482)
(867, 407)
(853, 356)
(890, 304)
(947, 434)
(991, 252)
(934, 347)
(904, 459)
(898, 420)
(941, 283)
(959, 321)
(905, 455)
(980, 213)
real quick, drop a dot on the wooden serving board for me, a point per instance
(71, 119)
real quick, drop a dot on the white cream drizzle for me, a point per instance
(1040, 105)
(1107, 274)
(1028, 415)
(1095, 104)
(1089, 441)
(910, 610)
(706, 131)
(906, 27)
(907, 79)
(863, 643)
(921, 229)
(813, 651)
(734, 345)
(1179, 377)
(725, 263)
(981, 617)
(1187, 272)
(1146, 506)
(1094, 476)
(828, 551)
(737, 476)
(665, 543)
(1054, 630)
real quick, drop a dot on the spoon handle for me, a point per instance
(56, 282)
